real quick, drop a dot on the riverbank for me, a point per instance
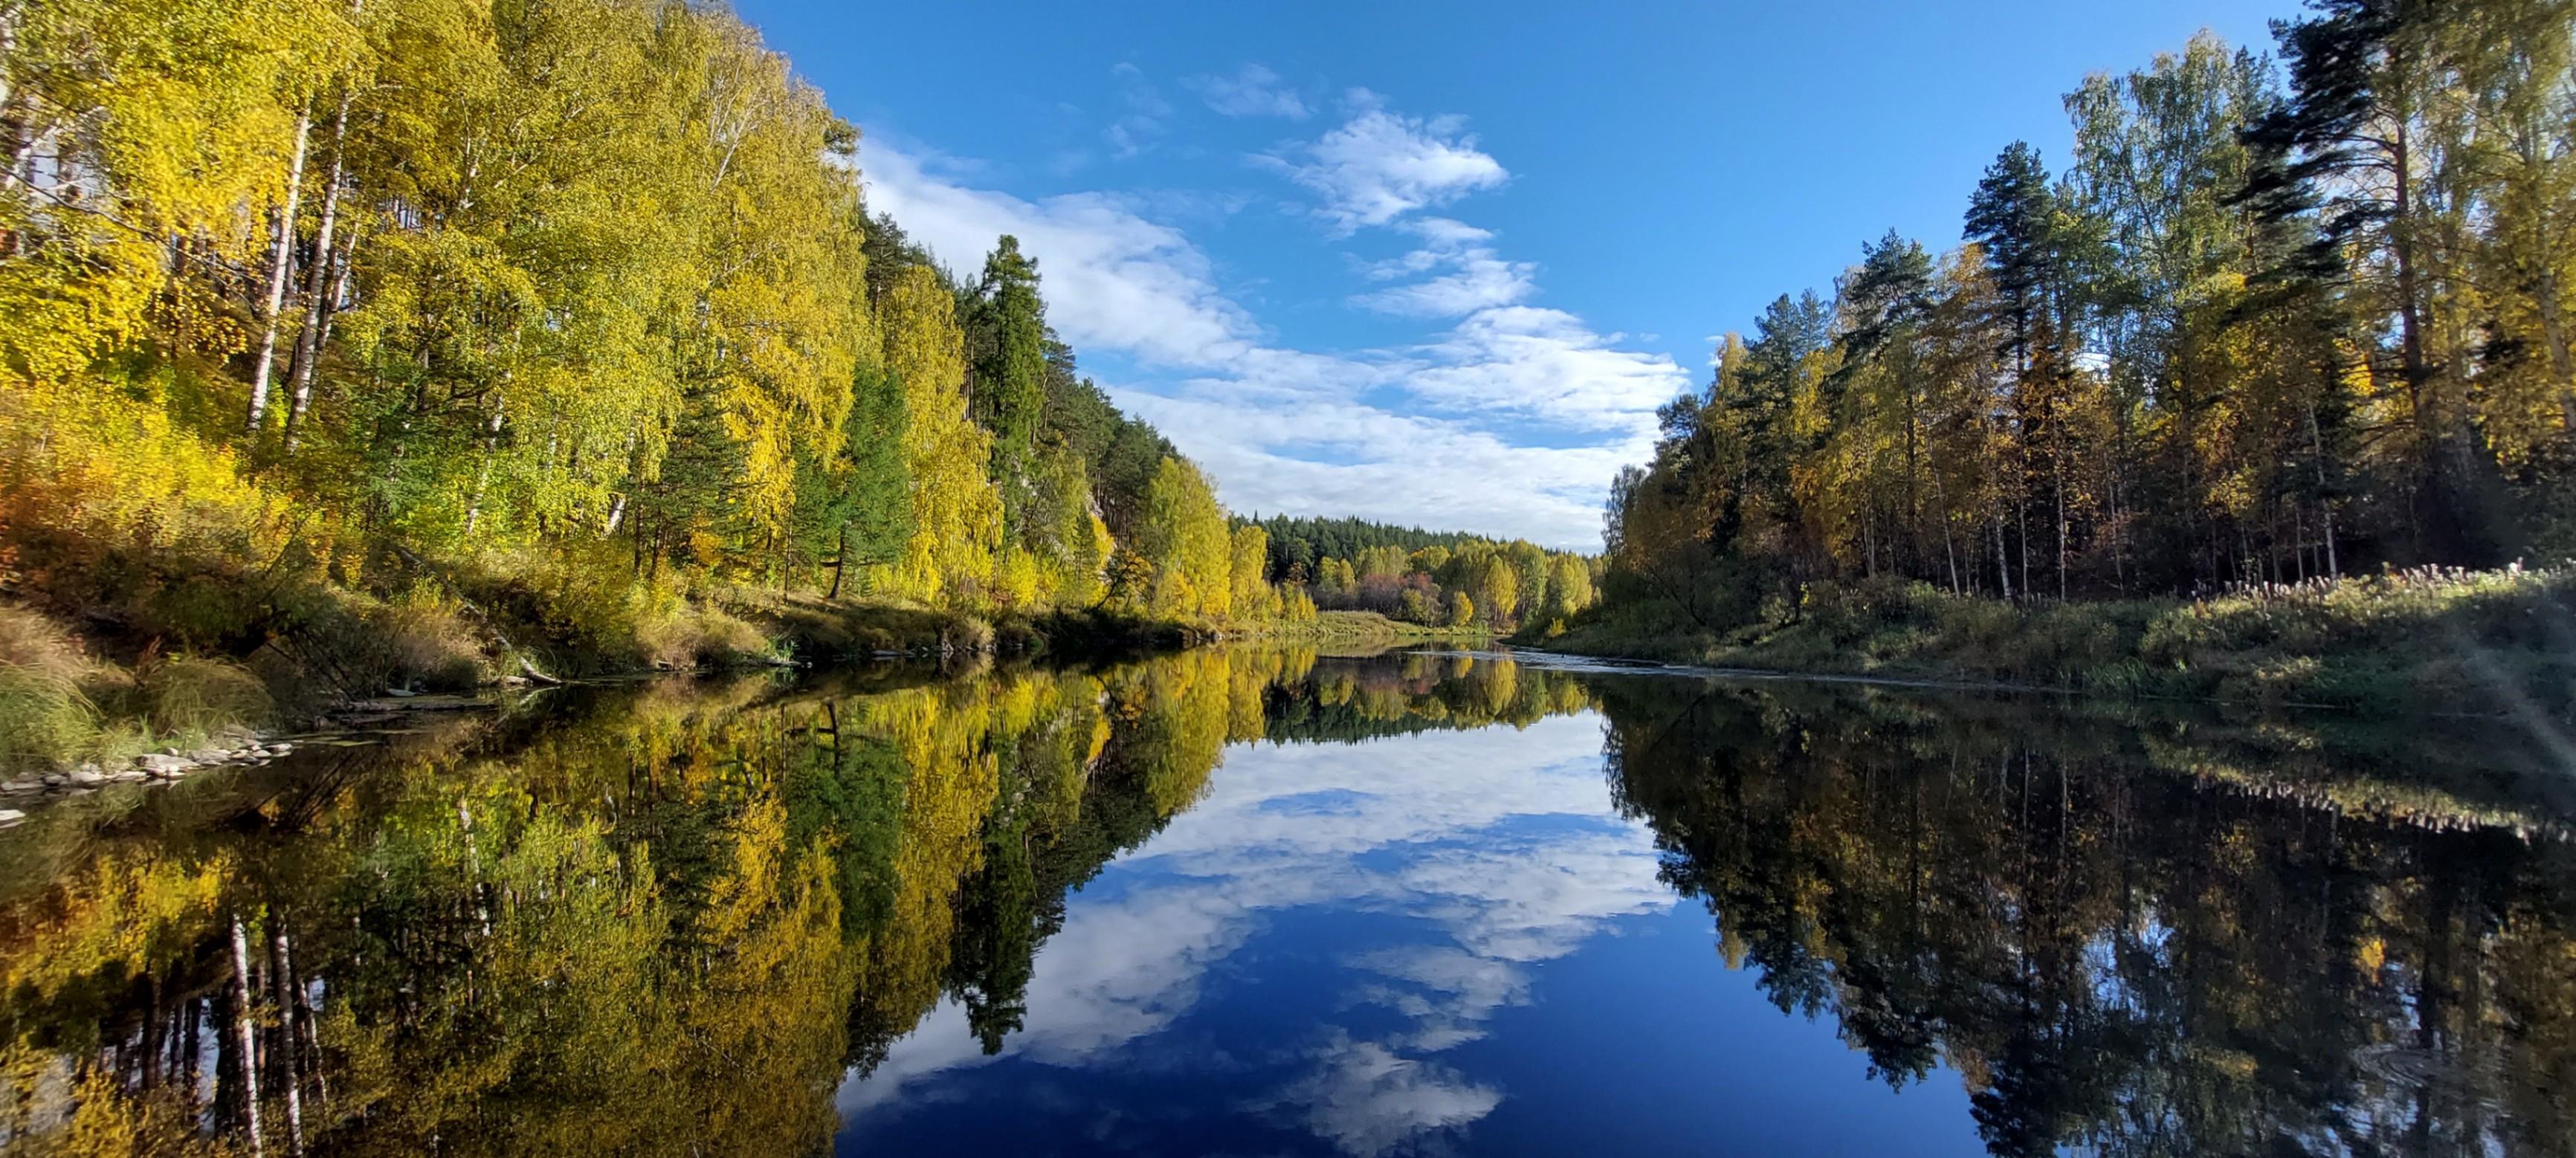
(2484, 643)
(110, 685)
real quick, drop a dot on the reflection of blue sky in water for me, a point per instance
(1306, 959)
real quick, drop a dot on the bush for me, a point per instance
(427, 644)
(966, 633)
(724, 641)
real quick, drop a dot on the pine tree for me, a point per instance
(1007, 386)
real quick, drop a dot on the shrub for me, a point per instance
(427, 644)
(720, 640)
(966, 633)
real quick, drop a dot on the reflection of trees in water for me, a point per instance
(673, 920)
(2127, 961)
(665, 923)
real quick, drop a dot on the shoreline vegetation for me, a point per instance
(2262, 392)
(362, 349)
(2422, 642)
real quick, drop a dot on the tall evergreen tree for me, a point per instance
(1007, 386)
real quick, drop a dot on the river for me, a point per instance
(1269, 901)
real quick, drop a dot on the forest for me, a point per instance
(2272, 323)
(420, 344)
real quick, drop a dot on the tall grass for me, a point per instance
(59, 705)
(46, 716)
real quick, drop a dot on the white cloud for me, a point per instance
(1478, 275)
(1253, 91)
(1113, 279)
(1368, 1100)
(1382, 165)
(1510, 421)
(1300, 455)
(1547, 364)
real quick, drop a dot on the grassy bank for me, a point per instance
(2432, 640)
(1357, 625)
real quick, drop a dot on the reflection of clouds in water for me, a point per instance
(1367, 1099)
(1442, 817)
(1115, 973)
(1468, 986)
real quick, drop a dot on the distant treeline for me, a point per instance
(1299, 545)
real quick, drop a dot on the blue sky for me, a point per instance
(1434, 262)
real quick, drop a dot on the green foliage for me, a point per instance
(1298, 546)
(1006, 334)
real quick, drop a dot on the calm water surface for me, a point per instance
(1266, 902)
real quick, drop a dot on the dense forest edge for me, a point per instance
(428, 345)
(2266, 394)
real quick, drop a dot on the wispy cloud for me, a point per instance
(1114, 279)
(1369, 1100)
(1138, 127)
(1478, 277)
(1380, 165)
(1250, 91)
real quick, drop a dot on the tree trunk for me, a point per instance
(2059, 467)
(483, 473)
(2021, 525)
(327, 311)
(2325, 497)
(840, 561)
(281, 259)
(246, 1031)
(317, 279)
(281, 968)
(2003, 560)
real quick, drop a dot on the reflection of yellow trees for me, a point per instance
(939, 733)
(660, 925)
(1181, 708)
(527, 948)
(115, 918)
(762, 1016)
